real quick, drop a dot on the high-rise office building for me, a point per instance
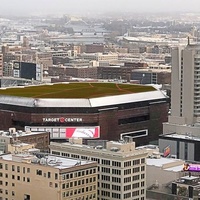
(182, 131)
(122, 168)
(185, 86)
(185, 101)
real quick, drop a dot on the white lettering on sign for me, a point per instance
(62, 119)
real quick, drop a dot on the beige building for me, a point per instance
(27, 177)
(110, 57)
(122, 168)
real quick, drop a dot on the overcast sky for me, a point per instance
(23, 7)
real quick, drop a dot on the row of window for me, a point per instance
(126, 179)
(79, 182)
(18, 178)
(126, 195)
(77, 192)
(134, 186)
(78, 174)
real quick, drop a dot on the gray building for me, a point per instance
(183, 126)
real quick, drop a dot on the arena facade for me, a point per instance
(138, 116)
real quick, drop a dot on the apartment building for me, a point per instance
(28, 177)
(122, 168)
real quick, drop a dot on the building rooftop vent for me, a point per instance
(99, 147)
(115, 149)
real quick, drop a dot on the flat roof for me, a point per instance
(177, 166)
(181, 136)
(159, 162)
(48, 160)
(102, 94)
(20, 133)
(75, 90)
(99, 149)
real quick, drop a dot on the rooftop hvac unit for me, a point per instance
(99, 147)
(115, 149)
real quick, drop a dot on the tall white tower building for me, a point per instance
(185, 91)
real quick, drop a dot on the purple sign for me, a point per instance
(191, 167)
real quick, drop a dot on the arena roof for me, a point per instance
(75, 90)
(104, 98)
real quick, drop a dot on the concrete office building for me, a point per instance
(185, 103)
(26, 177)
(122, 168)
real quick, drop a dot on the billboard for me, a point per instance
(191, 167)
(59, 132)
(82, 132)
(167, 151)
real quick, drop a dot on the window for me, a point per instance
(135, 170)
(18, 168)
(142, 168)
(105, 162)
(127, 171)
(142, 184)
(105, 170)
(127, 164)
(116, 171)
(27, 197)
(127, 187)
(127, 195)
(116, 180)
(136, 185)
(56, 176)
(136, 162)
(39, 172)
(127, 179)
(142, 176)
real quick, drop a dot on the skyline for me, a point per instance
(53, 7)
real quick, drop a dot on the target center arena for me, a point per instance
(106, 111)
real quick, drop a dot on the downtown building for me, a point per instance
(182, 131)
(28, 177)
(121, 168)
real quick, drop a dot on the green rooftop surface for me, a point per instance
(76, 90)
